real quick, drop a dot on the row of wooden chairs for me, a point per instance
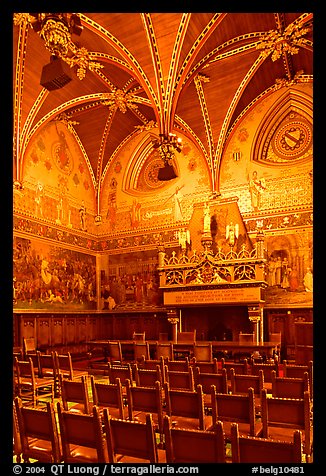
(90, 438)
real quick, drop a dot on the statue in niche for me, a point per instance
(256, 188)
(232, 233)
(207, 219)
(184, 239)
(39, 196)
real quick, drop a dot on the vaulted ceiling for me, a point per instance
(192, 72)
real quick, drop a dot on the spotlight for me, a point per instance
(56, 74)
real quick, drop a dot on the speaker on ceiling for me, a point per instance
(56, 74)
(166, 173)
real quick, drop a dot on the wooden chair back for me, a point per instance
(38, 433)
(133, 439)
(203, 352)
(82, 436)
(281, 414)
(189, 336)
(239, 367)
(297, 371)
(47, 365)
(143, 400)
(64, 367)
(74, 395)
(109, 395)
(240, 384)
(148, 377)
(165, 350)
(179, 379)
(193, 446)
(266, 368)
(29, 346)
(17, 445)
(186, 407)
(138, 336)
(178, 365)
(206, 380)
(287, 387)
(122, 372)
(115, 352)
(28, 385)
(209, 367)
(235, 408)
(141, 350)
(245, 338)
(246, 449)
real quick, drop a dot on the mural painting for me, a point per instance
(50, 277)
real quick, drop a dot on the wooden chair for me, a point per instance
(148, 377)
(138, 336)
(48, 369)
(240, 385)
(203, 352)
(115, 352)
(281, 416)
(74, 395)
(210, 367)
(141, 350)
(248, 449)
(82, 436)
(186, 408)
(186, 336)
(245, 338)
(239, 367)
(287, 387)
(29, 346)
(64, 367)
(143, 400)
(122, 372)
(178, 365)
(28, 386)
(130, 441)
(179, 379)
(38, 433)
(267, 369)
(193, 446)
(206, 380)
(165, 350)
(297, 371)
(108, 395)
(230, 408)
(17, 445)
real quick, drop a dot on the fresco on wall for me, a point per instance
(52, 278)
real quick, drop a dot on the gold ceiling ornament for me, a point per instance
(119, 99)
(283, 82)
(56, 30)
(66, 119)
(288, 41)
(146, 127)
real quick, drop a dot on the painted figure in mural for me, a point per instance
(135, 214)
(271, 269)
(278, 271)
(39, 195)
(256, 188)
(82, 215)
(184, 238)
(293, 279)
(177, 197)
(285, 274)
(232, 233)
(207, 219)
(308, 281)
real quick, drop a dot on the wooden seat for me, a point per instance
(148, 377)
(38, 433)
(206, 380)
(164, 349)
(193, 446)
(281, 416)
(108, 395)
(179, 379)
(267, 369)
(115, 352)
(30, 387)
(143, 400)
(29, 346)
(230, 408)
(248, 449)
(48, 369)
(141, 350)
(287, 387)
(131, 441)
(205, 367)
(178, 365)
(82, 436)
(17, 445)
(203, 352)
(64, 367)
(74, 395)
(186, 408)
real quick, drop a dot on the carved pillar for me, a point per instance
(255, 316)
(173, 319)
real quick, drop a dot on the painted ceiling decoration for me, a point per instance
(138, 75)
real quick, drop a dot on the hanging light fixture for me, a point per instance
(167, 145)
